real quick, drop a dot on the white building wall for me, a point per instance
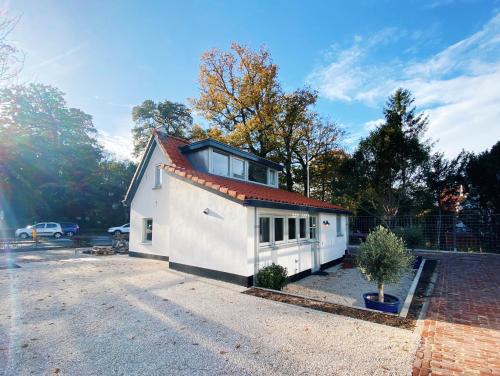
(149, 202)
(217, 240)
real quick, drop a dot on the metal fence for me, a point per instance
(462, 232)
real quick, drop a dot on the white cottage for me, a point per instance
(214, 210)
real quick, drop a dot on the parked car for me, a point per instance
(118, 230)
(42, 229)
(69, 229)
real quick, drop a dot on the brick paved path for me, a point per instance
(461, 333)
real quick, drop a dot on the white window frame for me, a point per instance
(231, 172)
(272, 172)
(306, 229)
(296, 239)
(158, 177)
(263, 244)
(211, 164)
(285, 234)
(315, 219)
(338, 225)
(144, 230)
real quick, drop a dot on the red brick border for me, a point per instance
(461, 333)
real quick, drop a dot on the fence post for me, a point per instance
(454, 233)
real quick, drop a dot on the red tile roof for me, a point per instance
(240, 190)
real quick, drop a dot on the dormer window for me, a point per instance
(238, 168)
(257, 173)
(220, 163)
(214, 157)
(272, 178)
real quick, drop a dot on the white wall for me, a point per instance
(150, 203)
(332, 246)
(217, 240)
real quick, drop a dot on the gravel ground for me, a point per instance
(345, 286)
(118, 315)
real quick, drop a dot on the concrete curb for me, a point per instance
(409, 297)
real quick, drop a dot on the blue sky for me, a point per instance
(111, 55)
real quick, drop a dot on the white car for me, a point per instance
(123, 229)
(42, 229)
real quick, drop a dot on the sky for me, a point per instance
(108, 56)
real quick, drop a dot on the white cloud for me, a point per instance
(458, 87)
(119, 146)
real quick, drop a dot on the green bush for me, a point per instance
(412, 236)
(382, 258)
(272, 277)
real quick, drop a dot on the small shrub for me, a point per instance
(272, 277)
(412, 236)
(383, 259)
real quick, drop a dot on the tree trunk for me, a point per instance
(288, 175)
(381, 292)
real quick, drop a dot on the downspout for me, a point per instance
(255, 245)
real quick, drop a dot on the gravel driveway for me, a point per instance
(118, 315)
(345, 286)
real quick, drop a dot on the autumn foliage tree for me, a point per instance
(242, 100)
(239, 93)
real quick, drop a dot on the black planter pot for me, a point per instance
(391, 303)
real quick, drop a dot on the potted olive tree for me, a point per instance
(382, 258)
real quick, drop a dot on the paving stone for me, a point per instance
(461, 333)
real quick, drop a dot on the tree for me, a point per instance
(293, 122)
(51, 165)
(444, 181)
(382, 258)
(240, 95)
(319, 137)
(388, 168)
(11, 58)
(483, 175)
(174, 118)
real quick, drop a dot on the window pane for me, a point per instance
(238, 168)
(272, 177)
(148, 230)
(292, 228)
(339, 225)
(302, 228)
(257, 173)
(279, 231)
(41, 225)
(264, 229)
(51, 225)
(312, 227)
(158, 176)
(220, 163)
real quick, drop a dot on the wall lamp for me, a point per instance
(326, 223)
(206, 211)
